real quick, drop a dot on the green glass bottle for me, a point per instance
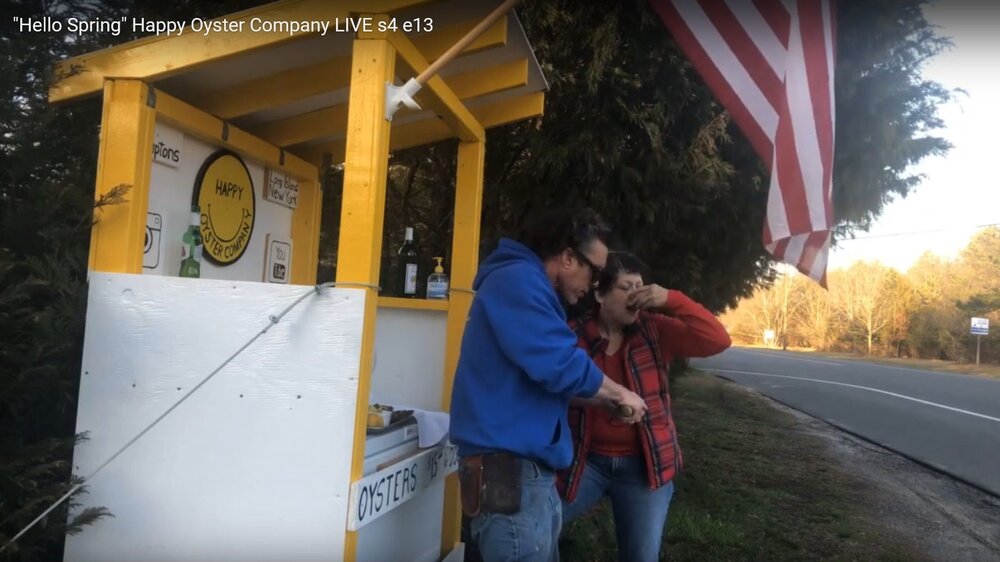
(191, 246)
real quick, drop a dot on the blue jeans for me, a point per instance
(530, 535)
(640, 513)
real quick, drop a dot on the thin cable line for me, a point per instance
(917, 232)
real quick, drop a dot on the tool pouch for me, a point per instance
(470, 481)
(490, 483)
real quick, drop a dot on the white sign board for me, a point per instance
(154, 233)
(281, 189)
(253, 466)
(377, 494)
(167, 144)
(980, 327)
(278, 265)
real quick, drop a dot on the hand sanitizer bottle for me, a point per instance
(437, 283)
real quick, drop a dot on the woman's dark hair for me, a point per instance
(551, 232)
(619, 263)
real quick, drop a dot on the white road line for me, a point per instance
(911, 369)
(903, 396)
(793, 358)
(846, 362)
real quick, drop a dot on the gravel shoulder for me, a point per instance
(946, 518)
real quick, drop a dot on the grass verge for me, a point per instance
(755, 487)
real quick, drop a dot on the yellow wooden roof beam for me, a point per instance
(331, 75)
(277, 89)
(156, 57)
(426, 131)
(436, 96)
(209, 128)
(332, 120)
(493, 115)
(487, 80)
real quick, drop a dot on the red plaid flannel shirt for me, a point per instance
(650, 345)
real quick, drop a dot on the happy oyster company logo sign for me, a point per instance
(224, 193)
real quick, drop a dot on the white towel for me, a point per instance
(432, 427)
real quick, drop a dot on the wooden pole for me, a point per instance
(464, 42)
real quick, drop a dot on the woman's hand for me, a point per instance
(647, 297)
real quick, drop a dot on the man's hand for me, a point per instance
(631, 408)
(646, 297)
(618, 398)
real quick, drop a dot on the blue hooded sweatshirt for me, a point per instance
(519, 364)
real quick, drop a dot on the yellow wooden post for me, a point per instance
(305, 232)
(464, 263)
(363, 207)
(124, 158)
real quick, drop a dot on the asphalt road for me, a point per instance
(948, 421)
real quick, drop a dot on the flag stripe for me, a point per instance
(771, 46)
(820, 70)
(817, 241)
(779, 248)
(830, 24)
(746, 51)
(794, 249)
(805, 142)
(786, 176)
(777, 17)
(777, 224)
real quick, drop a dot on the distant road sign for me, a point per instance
(980, 327)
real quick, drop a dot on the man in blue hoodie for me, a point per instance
(518, 368)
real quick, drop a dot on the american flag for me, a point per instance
(770, 63)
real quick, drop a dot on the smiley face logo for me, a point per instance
(224, 192)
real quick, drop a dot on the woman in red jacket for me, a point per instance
(634, 343)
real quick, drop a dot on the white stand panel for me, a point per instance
(253, 466)
(409, 357)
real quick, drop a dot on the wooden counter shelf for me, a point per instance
(413, 304)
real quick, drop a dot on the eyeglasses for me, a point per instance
(595, 272)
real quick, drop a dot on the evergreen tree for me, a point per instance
(48, 158)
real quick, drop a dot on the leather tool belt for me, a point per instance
(490, 483)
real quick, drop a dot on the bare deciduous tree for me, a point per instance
(866, 292)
